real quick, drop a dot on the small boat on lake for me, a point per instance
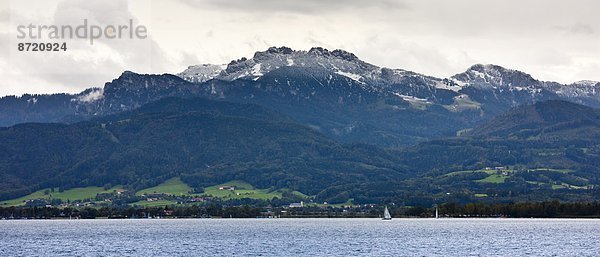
(386, 214)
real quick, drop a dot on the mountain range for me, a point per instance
(320, 122)
(333, 92)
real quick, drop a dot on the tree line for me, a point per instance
(547, 209)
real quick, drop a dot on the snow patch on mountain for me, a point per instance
(584, 88)
(488, 75)
(411, 99)
(202, 73)
(495, 78)
(371, 77)
(589, 83)
(355, 77)
(317, 58)
(447, 86)
(256, 71)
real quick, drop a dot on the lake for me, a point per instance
(301, 237)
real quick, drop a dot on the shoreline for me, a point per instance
(307, 218)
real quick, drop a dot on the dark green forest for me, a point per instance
(552, 209)
(547, 151)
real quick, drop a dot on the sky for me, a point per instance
(551, 40)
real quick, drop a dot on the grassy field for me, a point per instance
(565, 185)
(462, 103)
(555, 170)
(466, 171)
(73, 194)
(242, 190)
(172, 186)
(508, 170)
(300, 194)
(159, 203)
(350, 202)
(495, 178)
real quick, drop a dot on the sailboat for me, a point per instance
(386, 214)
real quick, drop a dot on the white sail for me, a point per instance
(386, 214)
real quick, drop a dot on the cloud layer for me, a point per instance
(552, 40)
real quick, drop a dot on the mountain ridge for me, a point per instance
(333, 91)
(273, 52)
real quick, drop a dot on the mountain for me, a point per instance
(204, 142)
(318, 60)
(38, 108)
(550, 149)
(321, 122)
(546, 150)
(583, 92)
(334, 92)
(499, 89)
(337, 61)
(549, 119)
(127, 92)
(544, 134)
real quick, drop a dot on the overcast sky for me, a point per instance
(552, 40)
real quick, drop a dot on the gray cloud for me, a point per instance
(189, 58)
(104, 12)
(297, 6)
(552, 40)
(72, 71)
(4, 45)
(4, 16)
(577, 29)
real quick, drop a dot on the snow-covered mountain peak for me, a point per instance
(579, 89)
(275, 50)
(318, 59)
(494, 75)
(487, 68)
(588, 83)
(263, 62)
(201, 73)
(493, 71)
(335, 53)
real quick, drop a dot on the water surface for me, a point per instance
(301, 237)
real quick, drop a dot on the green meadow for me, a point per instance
(80, 193)
(158, 203)
(173, 186)
(242, 190)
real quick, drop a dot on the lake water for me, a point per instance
(301, 237)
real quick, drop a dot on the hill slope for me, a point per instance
(204, 142)
(545, 147)
(544, 119)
